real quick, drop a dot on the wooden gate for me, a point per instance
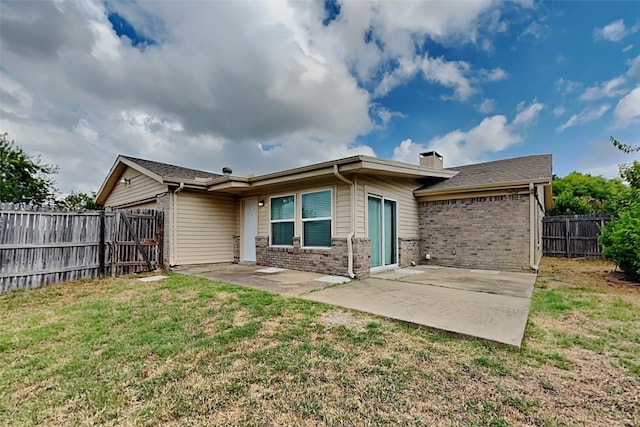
(572, 236)
(137, 241)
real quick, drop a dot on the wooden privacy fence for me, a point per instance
(41, 247)
(572, 236)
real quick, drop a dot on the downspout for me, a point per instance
(532, 231)
(353, 220)
(174, 225)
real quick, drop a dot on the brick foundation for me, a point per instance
(236, 249)
(481, 232)
(408, 251)
(332, 260)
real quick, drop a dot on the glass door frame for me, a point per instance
(382, 200)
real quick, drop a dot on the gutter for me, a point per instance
(353, 220)
(174, 225)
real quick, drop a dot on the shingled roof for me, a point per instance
(166, 170)
(496, 172)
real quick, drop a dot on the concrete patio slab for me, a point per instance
(498, 318)
(492, 305)
(487, 281)
(284, 282)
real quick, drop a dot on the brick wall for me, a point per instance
(326, 261)
(482, 232)
(236, 248)
(408, 250)
(361, 256)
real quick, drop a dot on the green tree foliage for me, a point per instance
(625, 148)
(24, 179)
(79, 202)
(621, 238)
(583, 194)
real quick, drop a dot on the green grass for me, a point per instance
(187, 351)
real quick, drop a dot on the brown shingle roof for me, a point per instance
(167, 170)
(499, 171)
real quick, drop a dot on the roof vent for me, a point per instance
(226, 171)
(431, 159)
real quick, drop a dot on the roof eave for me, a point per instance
(482, 187)
(349, 165)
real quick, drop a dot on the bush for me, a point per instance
(621, 241)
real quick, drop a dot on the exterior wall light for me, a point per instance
(261, 203)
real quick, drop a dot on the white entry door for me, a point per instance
(249, 230)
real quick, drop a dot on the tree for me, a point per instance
(625, 148)
(24, 179)
(583, 194)
(79, 202)
(621, 237)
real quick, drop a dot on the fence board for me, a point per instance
(572, 236)
(40, 247)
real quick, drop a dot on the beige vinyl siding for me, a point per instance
(141, 188)
(342, 210)
(148, 205)
(397, 189)
(361, 208)
(205, 228)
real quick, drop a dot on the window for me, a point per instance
(282, 220)
(316, 219)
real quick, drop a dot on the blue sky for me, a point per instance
(261, 86)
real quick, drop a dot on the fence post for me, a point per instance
(101, 248)
(114, 248)
(160, 238)
(567, 230)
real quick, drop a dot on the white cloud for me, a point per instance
(585, 116)
(487, 106)
(492, 134)
(609, 89)
(385, 115)
(567, 86)
(627, 110)
(494, 75)
(450, 74)
(615, 31)
(536, 31)
(627, 48)
(559, 111)
(527, 116)
(634, 69)
(221, 78)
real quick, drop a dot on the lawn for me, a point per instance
(188, 351)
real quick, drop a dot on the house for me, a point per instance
(348, 216)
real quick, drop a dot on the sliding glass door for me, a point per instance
(382, 231)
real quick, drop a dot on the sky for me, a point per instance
(261, 86)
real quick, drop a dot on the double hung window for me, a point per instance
(282, 220)
(316, 219)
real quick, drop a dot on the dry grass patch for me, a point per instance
(188, 351)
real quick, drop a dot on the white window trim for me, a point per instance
(274, 221)
(330, 218)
